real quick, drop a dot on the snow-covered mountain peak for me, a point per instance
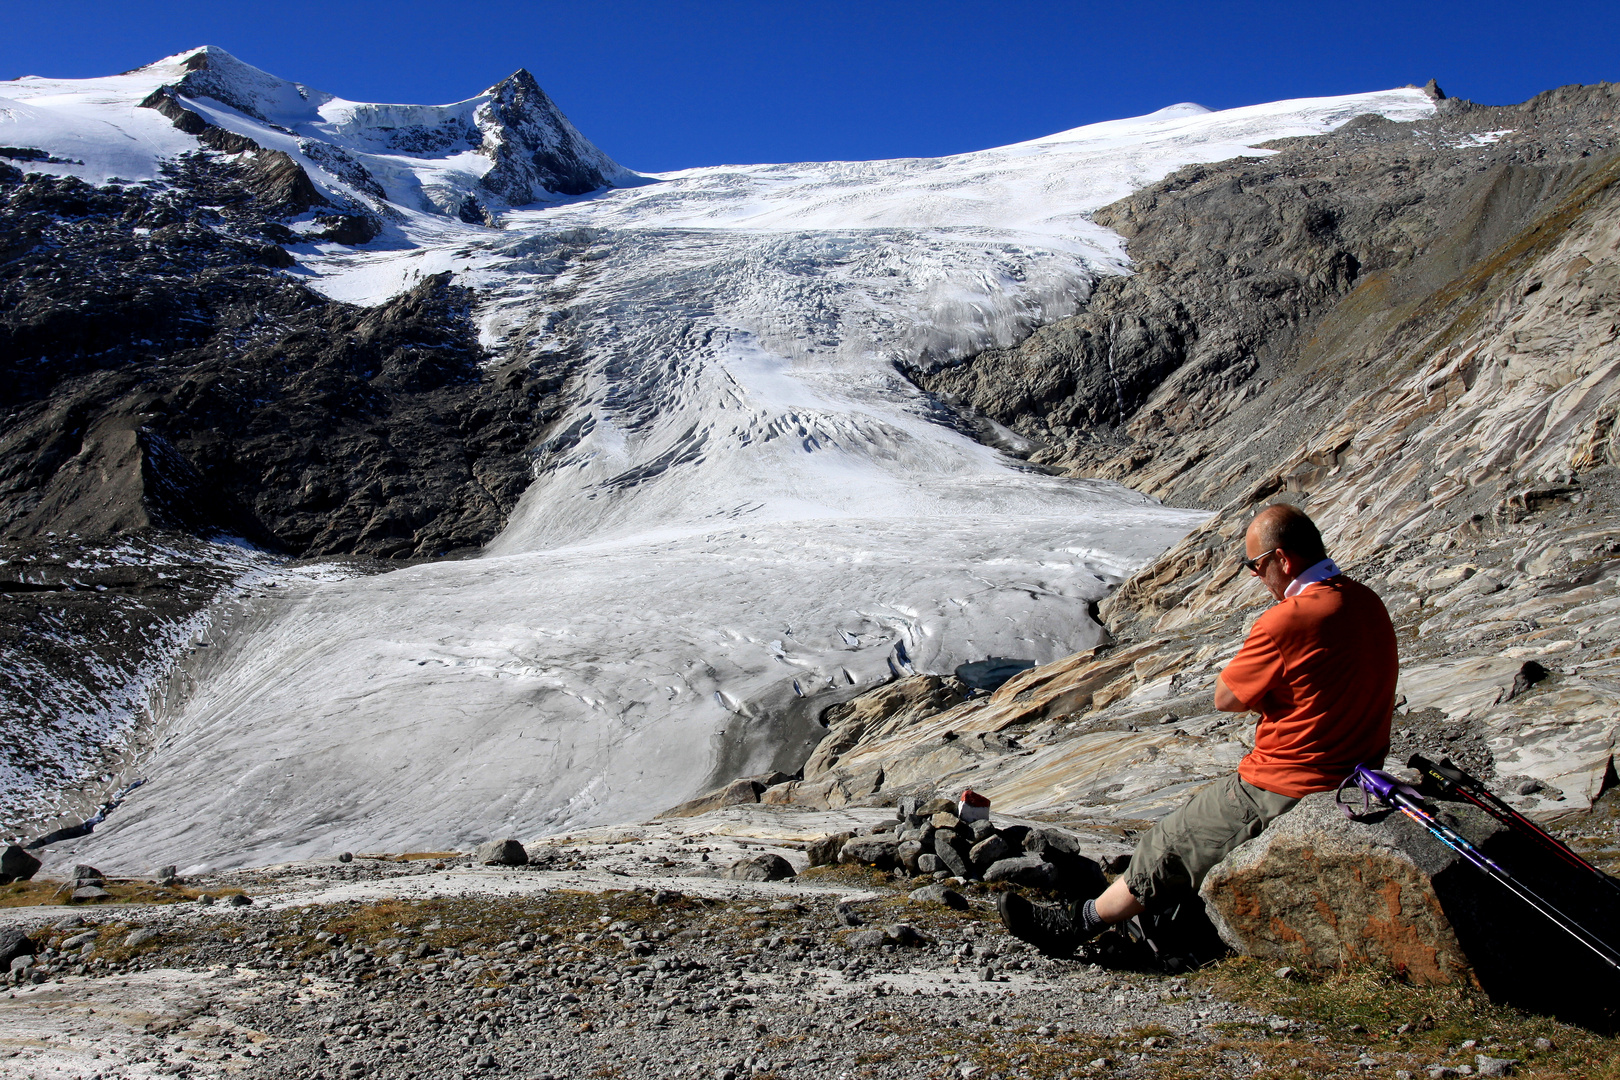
(469, 160)
(1181, 108)
(211, 72)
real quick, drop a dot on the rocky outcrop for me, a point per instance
(536, 151)
(1317, 890)
(241, 402)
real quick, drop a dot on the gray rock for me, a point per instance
(79, 940)
(14, 943)
(1494, 1066)
(990, 850)
(939, 894)
(1077, 874)
(17, 865)
(1015, 835)
(1028, 870)
(928, 863)
(904, 935)
(845, 914)
(89, 894)
(140, 937)
(945, 819)
(166, 872)
(824, 852)
(908, 852)
(981, 830)
(866, 939)
(346, 857)
(240, 900)
(87, 873)
(951, 852)
(765, 867)
(20, 964)
(501, 853)
(879, 850)
(1316, 890)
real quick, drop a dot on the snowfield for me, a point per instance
(748, 514)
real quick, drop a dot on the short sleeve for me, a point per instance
(1256, 668)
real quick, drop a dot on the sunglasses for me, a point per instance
(1253, 565)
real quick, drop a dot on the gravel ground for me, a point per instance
(627, 952)
(442, 968)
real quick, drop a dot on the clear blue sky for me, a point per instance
(668, 85)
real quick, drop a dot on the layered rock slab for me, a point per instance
(1319, 890)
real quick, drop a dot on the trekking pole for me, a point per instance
(1449, 779)
(1386, 789)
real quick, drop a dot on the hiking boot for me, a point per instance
(1050, 929)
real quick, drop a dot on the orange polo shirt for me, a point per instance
(1320, 670)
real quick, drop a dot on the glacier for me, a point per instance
(747, 515)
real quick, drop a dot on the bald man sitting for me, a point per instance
(1319, 667)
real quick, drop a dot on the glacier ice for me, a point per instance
(747, 515)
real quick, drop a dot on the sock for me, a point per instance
(1090, 921)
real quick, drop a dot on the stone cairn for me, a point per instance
(939, 839)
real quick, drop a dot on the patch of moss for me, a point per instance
(1372, 1010)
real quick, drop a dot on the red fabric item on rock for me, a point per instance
(1320, 669)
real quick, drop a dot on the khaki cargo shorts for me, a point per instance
(1172, 859)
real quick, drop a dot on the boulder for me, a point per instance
(17, 865)
(745, 790)
(908, 852)
(990, 850)
(951, 852)
(1319, 890)
(87, 873)
(928, 863)
(501, 853)
(140, 937)
(89, 894)
(1028, 870)
(879, 850)
(938, 894)
(766, 867)
(14, 943)
(904, 934)
(824, 852)
(1077, 874)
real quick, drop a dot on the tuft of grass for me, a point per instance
(40, 893)
(1369, 1009)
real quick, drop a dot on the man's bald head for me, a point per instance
(1289, 528)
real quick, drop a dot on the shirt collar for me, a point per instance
(1320, 572)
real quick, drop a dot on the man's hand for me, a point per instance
(1225, 700)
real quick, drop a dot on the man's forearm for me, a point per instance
(1225, 700)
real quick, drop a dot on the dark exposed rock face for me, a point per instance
(1239, 265)
(164, 374)
(535, 149)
